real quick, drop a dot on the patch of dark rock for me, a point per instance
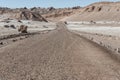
(1, 43)
(13, 26)
(6, 26)
(14, 40)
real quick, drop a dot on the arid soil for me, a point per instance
(57, 55)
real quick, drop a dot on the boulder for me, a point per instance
(23, 29)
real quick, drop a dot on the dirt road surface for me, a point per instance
(57, 55)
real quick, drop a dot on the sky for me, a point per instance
(46, 3)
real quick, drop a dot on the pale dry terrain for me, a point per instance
(33, 26)
(108, 28)
(57, 55)
(104, 35)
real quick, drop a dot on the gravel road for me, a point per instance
(57, 55)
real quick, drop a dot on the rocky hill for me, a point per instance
(37, 13)
(100, 11)
(59, 14)
(28, 15)
(20, 14)
(54, 14)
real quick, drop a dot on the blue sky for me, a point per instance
(46, 3)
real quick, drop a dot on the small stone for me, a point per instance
(118, 50)
(1, 43)
(14, 40)
(21, 38)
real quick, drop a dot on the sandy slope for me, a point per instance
(58, 55)
(100, 11)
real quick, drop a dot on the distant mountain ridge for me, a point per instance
(37, 13)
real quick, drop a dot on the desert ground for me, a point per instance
(61, 44)
(33, 26)
(59, 54)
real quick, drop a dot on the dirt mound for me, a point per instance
(100, 11)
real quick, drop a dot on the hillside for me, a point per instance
(37, 13)
(100, 11)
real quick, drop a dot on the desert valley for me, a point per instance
(77, 43)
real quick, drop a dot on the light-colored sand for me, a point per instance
(33, 26)
(105, 30)
(101, 11)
